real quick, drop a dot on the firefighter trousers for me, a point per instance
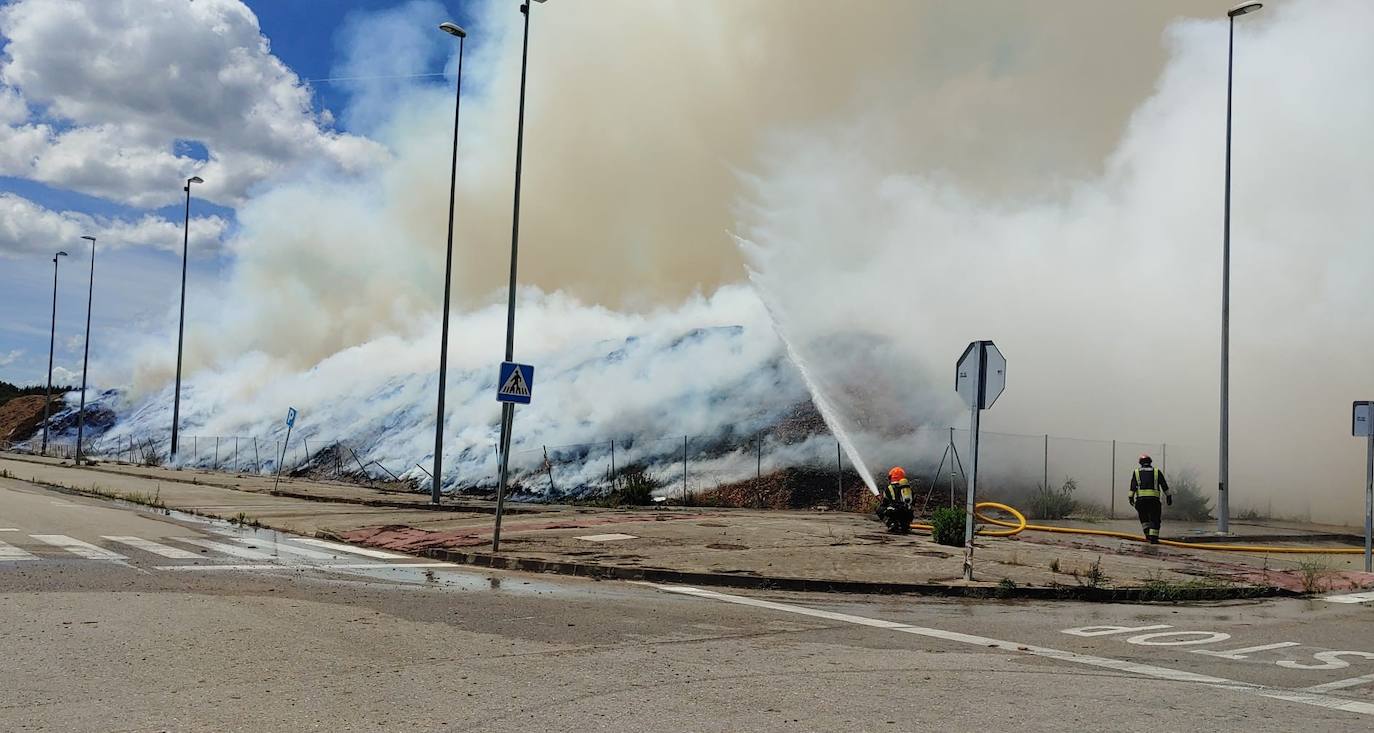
(1148, 508)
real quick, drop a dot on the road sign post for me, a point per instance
(514, 386)
(290, 423)
(979, 378)
(1362, 426)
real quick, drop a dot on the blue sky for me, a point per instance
(52, 198)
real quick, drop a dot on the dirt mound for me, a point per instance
(791, 488)
(21, 416)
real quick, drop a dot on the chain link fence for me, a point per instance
(763, 468)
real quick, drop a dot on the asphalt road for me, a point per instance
(114, 618)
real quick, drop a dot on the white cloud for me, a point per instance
(151, 72)
(27, 228)
(64, 376)
(11, 357)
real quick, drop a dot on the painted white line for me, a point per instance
(606, 537)
(9, 529)
(230, 550)
(1364, 597)
(10, 552)
(1243, 653)
(1148, 670)
(301, 566)
(77, 547)
(282, 547)
(232, 567)
(175, 553)
(350, 548)
(1341, 684)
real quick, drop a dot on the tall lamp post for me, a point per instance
(454, 30)
(52, 342)
(1224, 460)
(508, 409)
(181, 322)
(85, 359)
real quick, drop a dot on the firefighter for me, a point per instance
(1147, 482)
(895, 508)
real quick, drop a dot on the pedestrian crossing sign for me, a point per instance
(516, 383)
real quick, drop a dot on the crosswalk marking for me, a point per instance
(350, 548)
(242, 552)
(77, 547)
(156, 548)
(291, 549)
(10, 552)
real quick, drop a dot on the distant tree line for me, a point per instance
(10, 391)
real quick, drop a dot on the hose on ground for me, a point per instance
(1020, 525)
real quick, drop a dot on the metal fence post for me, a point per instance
(684, 470)
(257, 458)
(613, 464)
(236, 454)
(1047, 462)
(758, 440)
(839, 475)
(548, 466)
(1111, 488)
(1164, 458)
(216, 452)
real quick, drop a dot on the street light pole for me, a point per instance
(1224, 444)
(52, 342)
(507, 408)
(435, 479)
(181, 322)
(85, 359)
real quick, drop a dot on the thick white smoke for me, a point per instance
(1105, 295)
(876, 253)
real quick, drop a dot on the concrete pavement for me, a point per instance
(737, 547)
(98, 644)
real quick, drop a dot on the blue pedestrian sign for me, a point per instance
(516, 383)
(290, 417)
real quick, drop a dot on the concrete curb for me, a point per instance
(821, 585)
(375, 503)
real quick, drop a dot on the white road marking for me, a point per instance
(231, 550)
(1244, 653)
(9, 529)
(10, 552)
(1342, 684)
(77, 547)
(1305, 697)
(606, 537)
(288, 549)
(175, 553)
(1364, 597)
(350, 548)
(303, 566)
(1208, 637)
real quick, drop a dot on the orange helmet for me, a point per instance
(896, 474)
(1145, 459)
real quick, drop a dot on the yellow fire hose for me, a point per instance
(1021, 525)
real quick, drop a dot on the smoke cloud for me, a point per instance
(904, 177)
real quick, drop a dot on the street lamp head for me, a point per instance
(453, 29)
(194, 179)
(59, 254)
(90, 238)
(1243, 9)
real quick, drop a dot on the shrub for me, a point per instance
(947, 526)
(1047, 503)
(1189, 503)
(636, 487)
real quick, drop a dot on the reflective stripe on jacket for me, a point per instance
(900, 491)
(1148, 481)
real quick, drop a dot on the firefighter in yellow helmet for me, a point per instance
(895, 507)
(1147, 487)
